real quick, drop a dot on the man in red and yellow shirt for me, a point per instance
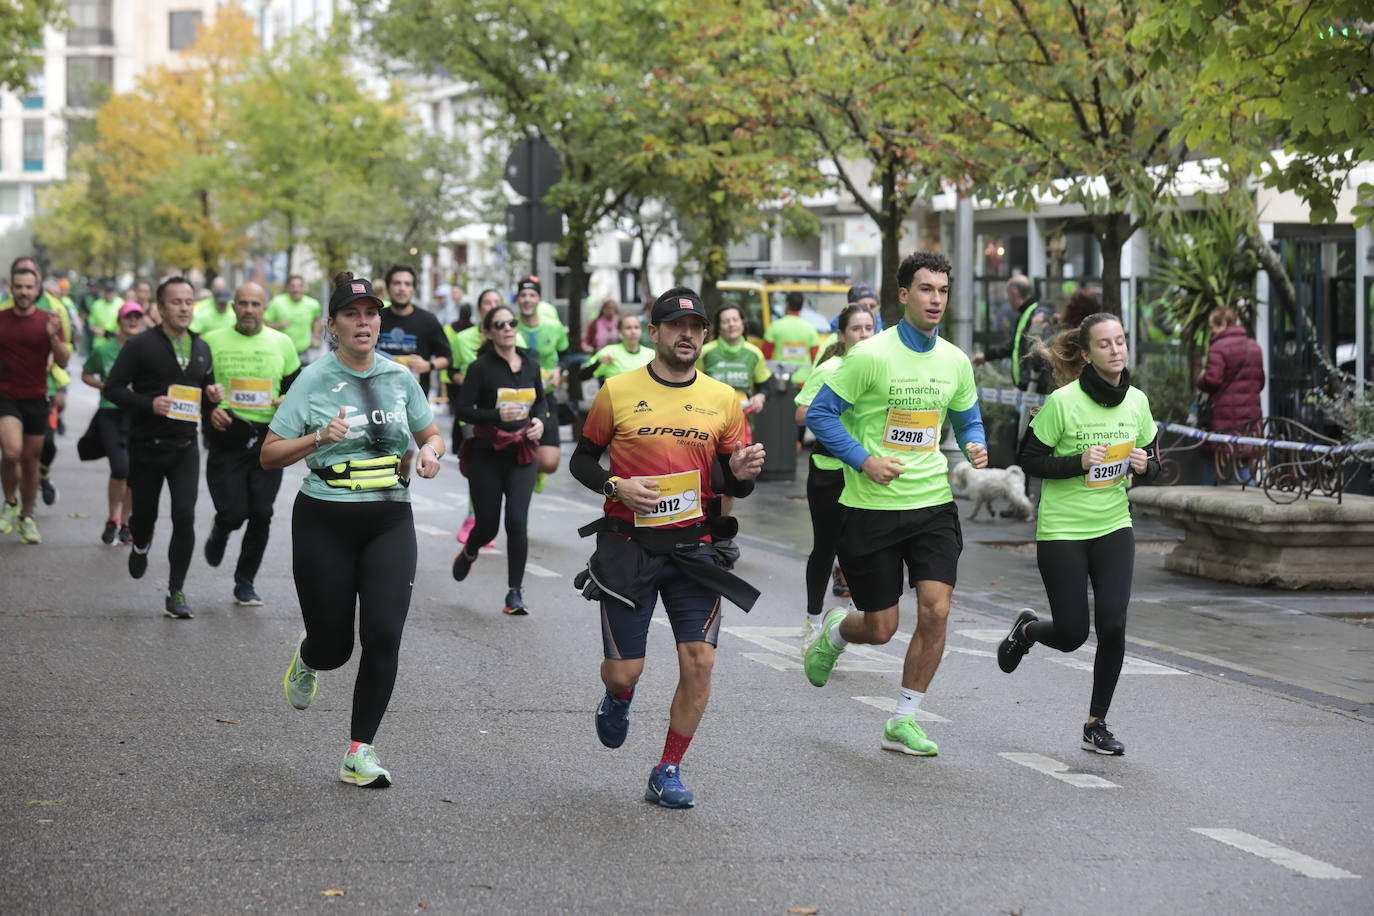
(669, 430)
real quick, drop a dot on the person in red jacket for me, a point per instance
(1233, 378)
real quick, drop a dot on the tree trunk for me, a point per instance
(714, 265)
(891, 227)
(1112, 230)
(577, 280)
(290, 242)
(207, 254)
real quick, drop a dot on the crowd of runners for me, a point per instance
(666, 443)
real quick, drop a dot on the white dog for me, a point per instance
(991, 484)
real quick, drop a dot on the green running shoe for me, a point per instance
(906, 737)
(8, 514)
(301, 681)
(28, 531)
(364, 769)
(821, 655)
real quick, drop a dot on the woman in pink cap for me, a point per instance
(108, 434)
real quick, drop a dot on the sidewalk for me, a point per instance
(1316, 646)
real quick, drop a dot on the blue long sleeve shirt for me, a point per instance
(823, 416)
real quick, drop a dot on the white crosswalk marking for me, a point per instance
(1060, 771)
(1279, 855)
(433, 531)
(889, 705)
(786, 642)
(535, 569)
(1082, 660)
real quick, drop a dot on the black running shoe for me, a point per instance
(1015, 646)
(245, 595)
(138, 563)
(215, 544)
(515, 603)
(462, 565)
(175, 606)
(1097, 739)
(48, 489)
(107, 537)
(613, 720)
(126, 537)
(838, 587)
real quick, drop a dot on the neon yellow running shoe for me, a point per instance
(301, 681)
(906, 737)
(362, 768)
(28, 531)
(821, 655)
(9, 512)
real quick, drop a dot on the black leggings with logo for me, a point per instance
(348, 555)
(492, 477)
(1066, 568)
(823, 489)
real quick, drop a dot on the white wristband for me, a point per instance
(317, 437)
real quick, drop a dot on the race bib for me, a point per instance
(250, 393)
(1112, 468)
(792, 351)
(185, 403)
(516, 397)
(912, 430)
(679, 500)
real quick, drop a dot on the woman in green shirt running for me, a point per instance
(1090, 436)
(350, 416)
(109, 426)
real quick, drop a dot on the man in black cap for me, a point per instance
(668, 428)
(411, 336)
(861, 294)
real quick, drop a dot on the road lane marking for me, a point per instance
(1128, 665)
(537, 570)
(433, 531)
(429, 504)
(1279, 855)
(980, 635)
(1060, 771)
(786, 642)
(889, 705)
(902, 636)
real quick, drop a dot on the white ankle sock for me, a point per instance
(908, 701)
(833, 634)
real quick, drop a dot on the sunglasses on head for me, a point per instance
(502, 324)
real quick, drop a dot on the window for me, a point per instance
(182, 28)
(87, 78)
(92, 22)
(33, 98)
(33, 145)
(9, 199)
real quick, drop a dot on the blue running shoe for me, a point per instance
(666, 788)
(613, 720)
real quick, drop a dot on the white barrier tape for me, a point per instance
(1016, 398)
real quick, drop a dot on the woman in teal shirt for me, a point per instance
(1090, 436)
(350, 416)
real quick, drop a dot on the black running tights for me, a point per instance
(347, 555)
(1066, 568)
(823, 490)
(150, 463)
(493, 475)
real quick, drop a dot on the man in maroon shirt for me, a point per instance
(29, 336)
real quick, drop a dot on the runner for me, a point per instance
(163, 380)
(256, 366)
(29, 338)
(547, 339)
(349, 416)
(861, 294)
(108, 434)
(825, 478)
(103, 318)
(667, 427)
(503, 398)
(791, 339)
(296, 315)
(629, 353)
(412, 336)
(897, 388)
(464, 344)
(216, 312)
(727, 357)
(1090, 435)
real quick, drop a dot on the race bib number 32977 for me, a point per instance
(1112, 468)
(912, 430)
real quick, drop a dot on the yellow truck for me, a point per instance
(763, 296)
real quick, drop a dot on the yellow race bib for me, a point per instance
(250, 393)
(793, 350)
(679, 500)
(516, 397)
(185, 403)
(1112, 468)
(912, 430)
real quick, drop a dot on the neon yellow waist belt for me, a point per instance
(363, 473)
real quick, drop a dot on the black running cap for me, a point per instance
(351, 291)
(675, 304)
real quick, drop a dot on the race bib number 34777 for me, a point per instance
(912, 430)
(185, 403)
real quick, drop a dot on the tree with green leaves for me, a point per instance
(21, 38)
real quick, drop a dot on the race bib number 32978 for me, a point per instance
(912, 430)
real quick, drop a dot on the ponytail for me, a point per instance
(1067, 351)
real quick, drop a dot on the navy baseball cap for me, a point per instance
(675, 303)
(861, 291)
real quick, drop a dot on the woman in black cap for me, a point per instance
(351, 416)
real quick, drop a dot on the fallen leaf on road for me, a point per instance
(44, 802)
(227, 722)
(805, 910)
(78, 515)
(447, 801)
(331, 893)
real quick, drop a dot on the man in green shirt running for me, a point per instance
(895, 390)
(548, 339)
(214, 313)
(296, 315)
(791, 338)
(103, 318)
(256, 365)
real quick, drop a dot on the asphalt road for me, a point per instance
(156, 767)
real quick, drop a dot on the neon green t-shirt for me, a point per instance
(792, 338)
(104, 315)
(207, 318)
(743, 366)
(622, 360)
(299, 317)
(808, 394)
(1095, 503)
(383, 406)
(465, 344)
(545, 340)
(898, 400)
(102, 357)
(251, 370)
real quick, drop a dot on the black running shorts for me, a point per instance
(33, 415)
(875, 543)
